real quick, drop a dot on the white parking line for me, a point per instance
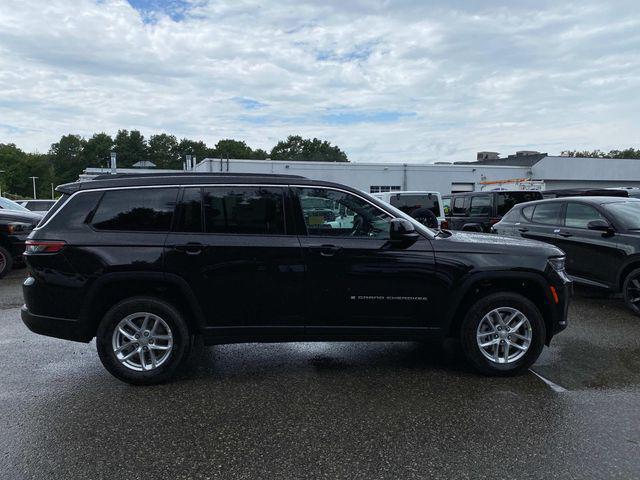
(554, 386)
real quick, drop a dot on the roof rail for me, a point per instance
(114, 176)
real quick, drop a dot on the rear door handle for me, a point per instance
(191, 248)
(523, 230)
(566, 234)
(325, 250)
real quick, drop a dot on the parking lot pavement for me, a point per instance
(372, 410)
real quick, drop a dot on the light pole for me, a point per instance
(52, 195)
(34, 187)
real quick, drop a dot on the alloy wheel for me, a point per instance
(632, 293)
(504, 335)
(3, 262)
(142, 341)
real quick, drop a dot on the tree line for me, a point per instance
(626, 153)
(69, 156)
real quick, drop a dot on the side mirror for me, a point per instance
(402, 233)
(600, 225)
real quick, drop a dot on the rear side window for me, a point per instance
(243, 210)
(409, 203)
(527, 212)
(458, 206)
(506, 200)
(547, 213)
(480, 205)
(139, 210)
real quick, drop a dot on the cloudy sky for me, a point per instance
(407, 80)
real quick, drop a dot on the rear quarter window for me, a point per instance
(72, 213)
(138, 210)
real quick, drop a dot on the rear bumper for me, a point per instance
(64, 328)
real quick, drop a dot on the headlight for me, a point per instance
(19, 227)
(557, 263)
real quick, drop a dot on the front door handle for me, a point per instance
(325, 250)
(566, 234)
(191, 248)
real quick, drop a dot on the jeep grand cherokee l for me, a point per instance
(145, 263)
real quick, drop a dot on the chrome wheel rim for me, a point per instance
(504, 335)
(142, 341)
(3, 262)
(633, 293)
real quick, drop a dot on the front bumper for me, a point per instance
(560, 309)
(64, 328)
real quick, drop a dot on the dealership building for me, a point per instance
(523, 170)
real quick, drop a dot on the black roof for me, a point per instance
(142, 180)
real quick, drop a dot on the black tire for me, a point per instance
(170, 315)
(6, 261)
(631, 291)
(469, 328)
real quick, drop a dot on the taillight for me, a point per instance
(444, 224)
(43, 246)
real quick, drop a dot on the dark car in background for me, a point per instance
(600, 235)
(15, 226)
(146, 263)
(479, 211)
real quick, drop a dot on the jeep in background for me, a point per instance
(146, 263)
(479, 211)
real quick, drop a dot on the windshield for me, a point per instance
(7, 204)
(506, 200)
(627, 213)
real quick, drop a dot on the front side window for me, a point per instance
(341, 214)
(458, 206)
(579, 215)
(136, 209)
(480, 205)
(243, 210)
(547, 213)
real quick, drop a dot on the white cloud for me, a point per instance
(388, 81)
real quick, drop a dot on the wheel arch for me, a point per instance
(630, 265)
(528, 284)
(112, 288)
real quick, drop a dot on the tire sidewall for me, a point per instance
(469, 329)
(173, 318)
(8, 264)
(633, 274)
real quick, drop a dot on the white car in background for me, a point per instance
(410, 200)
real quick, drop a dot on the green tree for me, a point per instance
(18, 167)
(67, 158)
(198, 149)
(97, 150)
(163, 151)
(229, 148)
(130, 148)
(297, 148)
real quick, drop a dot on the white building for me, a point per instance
(548, 172)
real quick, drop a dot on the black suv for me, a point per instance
(146, 263)
(600, 235)
(15, 226)
(478, 211)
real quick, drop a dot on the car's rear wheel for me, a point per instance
(631, 291)
(502, 334)
(6, 262)
(142, 340)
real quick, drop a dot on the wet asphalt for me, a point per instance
(325, 410)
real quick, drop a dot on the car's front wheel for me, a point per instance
(6, 261)
(631, 291)
(142, 340)
(503, 334)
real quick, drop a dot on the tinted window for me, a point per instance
(579, 215)
(547, 213)
(190, 211)
(142, 209)
(334, 213)
(409, 203)
(506, 200)
(243, 210)
(54, 209)
(458, 206)
(480, 205)
(628, 213)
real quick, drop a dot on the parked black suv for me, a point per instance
(146, 263)
(600, 235)
(15, 225)
(478, 211)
